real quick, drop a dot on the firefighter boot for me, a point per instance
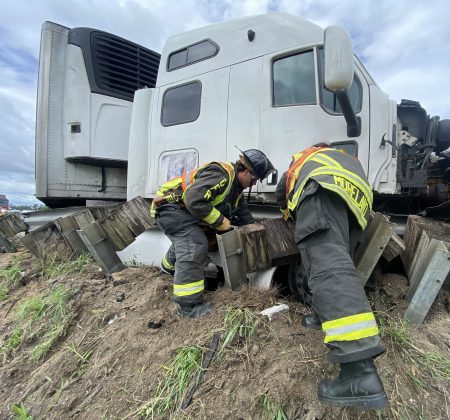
(312, 321)
(194, 311)
(358, 384)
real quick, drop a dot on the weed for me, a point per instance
(3, 292)
(10, 276)
(21, 412)
(237, 323)
(435, 364)
(179, 374)
(423, 365)
(45, 318)
(57, 395)
(11, 343)
(83, 358)
(52, 266)
(134, 262)
(396, 331)
(271, 409)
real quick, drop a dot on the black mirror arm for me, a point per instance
(353, 122)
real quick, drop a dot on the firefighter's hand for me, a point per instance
(225, 226)
(158, 200)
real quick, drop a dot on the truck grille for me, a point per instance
(121, 66)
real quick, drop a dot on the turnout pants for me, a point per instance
(188, 253)
(326, 233)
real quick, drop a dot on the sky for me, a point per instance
(403, 44)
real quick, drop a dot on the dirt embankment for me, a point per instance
(118, 336)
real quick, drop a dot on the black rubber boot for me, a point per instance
(312, 321)
(358, 385)
(194, 311)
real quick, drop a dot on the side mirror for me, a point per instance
(272, 178)
(338, 54)
(339, 61)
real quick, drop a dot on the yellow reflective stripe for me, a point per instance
(231, 174)
(353, 207)
(348, 320)
(355, 335)
(212, 217)
(237, 200)
(331, 171)
(350, 176)
(168, 264)
(171, 184)
(354, 178)
(326, 160)
(188, 288)
(353, 327)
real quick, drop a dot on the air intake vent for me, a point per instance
(121, 66)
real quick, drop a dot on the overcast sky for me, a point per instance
(403, 44)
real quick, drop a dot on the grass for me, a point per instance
(179, 374)
(134, 262)
(271, 409)
(10, 276)
(238, 326)
(396, 331)
(43, 318)
(3, 292)
(11, 343)
(424, 366)
(83, 358)
(52, 266)
(20, 412)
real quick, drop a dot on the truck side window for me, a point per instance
(181, 104)
(294, 80)
(191, 54)
(328, 99)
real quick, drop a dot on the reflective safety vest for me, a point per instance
(174, 190)
(334, 170)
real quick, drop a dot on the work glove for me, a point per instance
(224, 227)
(158, 200)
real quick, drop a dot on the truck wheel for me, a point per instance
(297, 283)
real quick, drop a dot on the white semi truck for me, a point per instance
(116, 120)
(252, 82)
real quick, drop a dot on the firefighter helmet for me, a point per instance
(257, 162)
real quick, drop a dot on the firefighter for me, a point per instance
(327, 193)
(209, 197)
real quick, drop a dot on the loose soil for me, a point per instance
(110, 318)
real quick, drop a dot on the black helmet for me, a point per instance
(257, 162)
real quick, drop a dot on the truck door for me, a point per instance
(244, 107)
(298, 112)
(190, 126)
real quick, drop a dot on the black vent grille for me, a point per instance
(121, 66)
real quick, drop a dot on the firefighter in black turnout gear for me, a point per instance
(207, 198)
(326, 192)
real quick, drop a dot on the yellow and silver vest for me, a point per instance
(334, 170)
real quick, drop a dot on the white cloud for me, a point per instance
(403, 44)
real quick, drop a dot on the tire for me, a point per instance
(298, 284)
